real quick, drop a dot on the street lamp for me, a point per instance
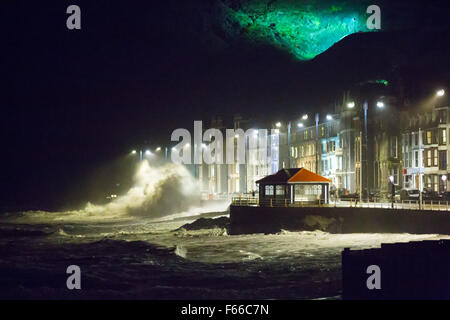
(300, 125)
(380, 104)
(440, 92)
(391, 179)
(305, 117)
(351, 105)
(158, 149)
(278, 124)
(133, 152)
(147, 152)
(329, 117)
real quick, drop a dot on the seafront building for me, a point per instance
(365, 145)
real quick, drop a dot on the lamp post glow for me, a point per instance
(329, 117)
(158, 149)
(300, 125)
(391, 179)
(351, 105)
(278, 124)
(380, 104)
(305, 117)
(440, 92)
(133, 152)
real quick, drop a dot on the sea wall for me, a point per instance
(245, 220)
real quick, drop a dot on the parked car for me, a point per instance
(445, 196)
(412, 194)
(430, 195)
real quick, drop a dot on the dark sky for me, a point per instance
(74, 102)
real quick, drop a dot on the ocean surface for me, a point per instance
(142, 258)
(144, 244)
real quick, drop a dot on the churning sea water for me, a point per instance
(137, 248)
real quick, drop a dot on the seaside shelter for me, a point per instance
(293, 186)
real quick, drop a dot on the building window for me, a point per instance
(436, 158)
(305, 135)
(443, 137)
(442, 160)
(416, 159)
(279, 190)
(269, 191)
(394, 147)
(394, 173)
(428, 137)
(428, 158)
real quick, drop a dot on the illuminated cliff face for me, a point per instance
(303, 28)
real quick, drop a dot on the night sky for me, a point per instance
(75, 103)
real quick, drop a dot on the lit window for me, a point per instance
(269, 191)
(279, 190)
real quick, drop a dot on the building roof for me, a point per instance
(294, 175)
(281, 177)
(306, 176)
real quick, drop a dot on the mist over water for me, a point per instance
(158, 191)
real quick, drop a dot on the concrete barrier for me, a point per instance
(414, 270)
(245, 219)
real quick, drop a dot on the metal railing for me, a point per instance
(404, 204)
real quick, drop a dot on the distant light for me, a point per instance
(133, 152)
(174, 149)
(351, 105)
(440, 93)
(391, 179)
(300, 125)
(305, 117)
(158, 149)
(329, 117)
(278, 124)
(444, 177)
(147, 152)
(380, 104)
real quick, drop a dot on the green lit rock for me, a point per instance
(303, 28)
